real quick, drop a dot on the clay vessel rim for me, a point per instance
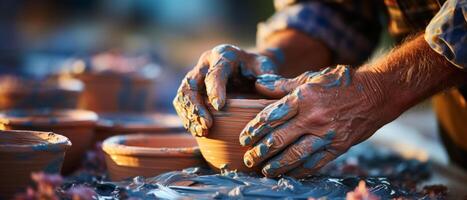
(61, 144)
(163, 122)
(248, 103)
(48, 117)
(113, 146)
(68, 85)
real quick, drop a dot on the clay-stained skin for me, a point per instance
(320, 117)
(209, 78)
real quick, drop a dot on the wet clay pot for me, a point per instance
(110, 124)
(20, 93)
(149, 155)
(23, 152)
(112, 92)
(221, 148)
(77, 125)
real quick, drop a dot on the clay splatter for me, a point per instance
(279, 112)
(362, 163)
(266, 65)
(268, 80)
(313, 160)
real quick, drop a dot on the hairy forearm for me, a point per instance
(412, 73)
(301, 52)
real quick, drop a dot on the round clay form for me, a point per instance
(110, 124)
(18, 93)
(113, 92)
(221, 148)
(77, 125)
(149, 155)
(24, 152)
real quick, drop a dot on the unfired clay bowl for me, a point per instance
(149, 155)
(77, 125)
(110, 124)
(221, 148)
(19, 93)
(113, 92)
(23, 152)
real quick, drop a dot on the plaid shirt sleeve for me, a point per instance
(350, 43)
(447, 32)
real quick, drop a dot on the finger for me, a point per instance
(216, 81)
(223, 58)
(294, 155)
(272, 116)
(276, 86)
(274, 142)
(313, 164)
(189, 102)
(189, 106)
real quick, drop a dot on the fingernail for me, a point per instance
(247, 160)
(215, 102)
(270, 168)
(262, 150)
(245, 140)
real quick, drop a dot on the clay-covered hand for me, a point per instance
(324, 114)
(209, 77)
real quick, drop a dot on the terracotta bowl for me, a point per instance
(116, 92)
(149, 155)
(221, 148)
(77, 125)
(18, 93)
(23, 152)
(110, 124)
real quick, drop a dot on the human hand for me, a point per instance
(322, 115)
(209, 77)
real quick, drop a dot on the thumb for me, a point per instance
(276, 86)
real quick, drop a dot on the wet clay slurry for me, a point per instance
(23, 152)
(149, 155)
(77, 125)
(221, 148)
(116, 92)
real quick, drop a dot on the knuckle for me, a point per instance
(205, 55)
(225, 47)
(278, 140)
(296, 152)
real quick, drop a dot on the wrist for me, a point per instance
(381, 90)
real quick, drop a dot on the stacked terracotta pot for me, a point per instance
(111, 92)
(77, 125)
(24, 152)
(149, 155)
(19, 93)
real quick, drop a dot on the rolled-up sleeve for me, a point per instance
(321, 21)
(447, 32)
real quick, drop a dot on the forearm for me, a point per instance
(411, 73)
(300, 52)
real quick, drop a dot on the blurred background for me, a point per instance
(38, 38)
(161, 39)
